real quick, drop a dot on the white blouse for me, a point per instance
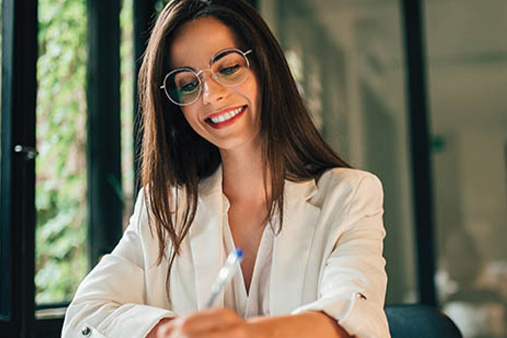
(255, 301)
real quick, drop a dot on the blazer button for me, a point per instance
(360, 295)
(85, 331)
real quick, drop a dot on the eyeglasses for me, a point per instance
(183, 86)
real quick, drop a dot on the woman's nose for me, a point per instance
(212, 90)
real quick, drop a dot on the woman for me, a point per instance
(231, 160)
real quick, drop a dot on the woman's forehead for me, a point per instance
(197, 41)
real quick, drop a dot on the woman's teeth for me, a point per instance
(227, 116)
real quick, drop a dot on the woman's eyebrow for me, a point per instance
(183, 67)
(220, 54)
(216, 56)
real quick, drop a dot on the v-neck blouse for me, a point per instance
(255, 301)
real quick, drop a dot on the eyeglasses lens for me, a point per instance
(184, 87)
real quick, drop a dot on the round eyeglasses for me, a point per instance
(229, 67)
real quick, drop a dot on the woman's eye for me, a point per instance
(190, 87)
(229, 70)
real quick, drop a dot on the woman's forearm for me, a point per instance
(308, 324)
(226, 323)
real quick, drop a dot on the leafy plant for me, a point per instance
(61, 200)
(61, 232)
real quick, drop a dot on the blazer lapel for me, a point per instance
(292, 247)
(206, 240)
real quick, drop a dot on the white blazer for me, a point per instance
(327, 257)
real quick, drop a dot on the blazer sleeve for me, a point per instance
(353, 284)
(110, 301)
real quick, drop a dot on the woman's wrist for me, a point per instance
(160, 327)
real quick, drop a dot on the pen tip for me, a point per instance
(239, 253)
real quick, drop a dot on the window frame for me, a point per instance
(18, 213)
(19, 58)
(420, 152)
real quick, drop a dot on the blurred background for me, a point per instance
(413, 91)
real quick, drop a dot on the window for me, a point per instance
(61, 182)
(49, 156)
(467, 62)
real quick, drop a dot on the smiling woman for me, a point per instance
(227, 115)
(232, 160)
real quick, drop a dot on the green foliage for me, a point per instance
(61, 232)
(127, 106)
(61, 204)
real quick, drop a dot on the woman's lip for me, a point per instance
(228, 122)
(222, 112)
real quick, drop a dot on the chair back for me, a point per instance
(419, 321)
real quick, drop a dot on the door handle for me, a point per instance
(29, 152)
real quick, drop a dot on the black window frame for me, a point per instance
(19, 57)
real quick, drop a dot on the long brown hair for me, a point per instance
(175, 158)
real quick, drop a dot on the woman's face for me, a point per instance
(228, 117)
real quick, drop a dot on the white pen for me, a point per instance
(225, 275)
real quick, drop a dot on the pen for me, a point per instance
(225, 275)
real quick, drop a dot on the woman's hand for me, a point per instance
(210, 324)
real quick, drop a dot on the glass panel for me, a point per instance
(127, 106)
(467, 60)
(61, 204)
(347, 58)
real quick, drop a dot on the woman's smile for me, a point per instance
(225, 117)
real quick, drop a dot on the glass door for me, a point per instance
(467, 62)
